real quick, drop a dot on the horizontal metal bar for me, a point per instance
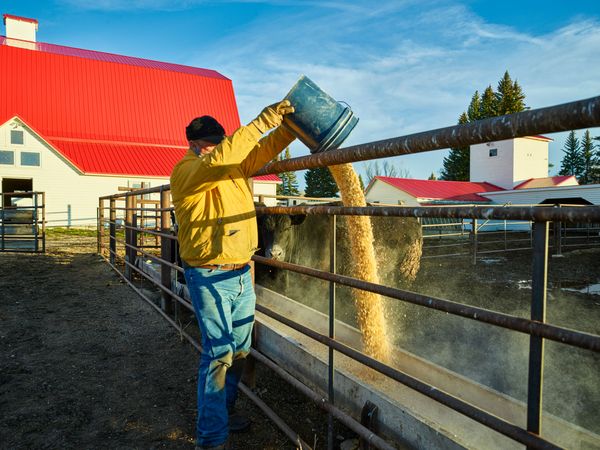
(152, 232)
(158, 284)
(322, 402)
(161, 312)
(565, 117)
(157, 258)
(291, 434)
(479, 415)
(564, 335)
(567, 214)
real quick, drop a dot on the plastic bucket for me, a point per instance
(319, 121)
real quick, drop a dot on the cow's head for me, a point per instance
(277, 233)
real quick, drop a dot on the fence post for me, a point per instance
(166, 252)
(112, 231)
(44, 222)
(100, 216)
(69, 216)
(331, 364)
(474, 241)
(558, 237)
(538, 314)
(129, 205)
(35, 222)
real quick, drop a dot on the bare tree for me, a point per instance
(374, 169)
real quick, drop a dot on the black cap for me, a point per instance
(206, 128)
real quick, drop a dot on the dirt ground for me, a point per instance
(86, 364)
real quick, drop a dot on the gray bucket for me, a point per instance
(319, 121)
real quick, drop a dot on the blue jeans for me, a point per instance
(224, 302)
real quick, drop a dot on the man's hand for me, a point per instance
(272, 115)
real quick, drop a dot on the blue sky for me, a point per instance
(404, 66)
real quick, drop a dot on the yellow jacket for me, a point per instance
(213, 202)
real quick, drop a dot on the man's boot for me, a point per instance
(238, 422)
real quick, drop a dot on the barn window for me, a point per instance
(16, 137)
(7, 157)
(30, 159)
(493, 152)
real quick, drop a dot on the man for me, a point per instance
(217, 237)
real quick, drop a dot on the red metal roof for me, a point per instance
(94, 157)
(270, 177)
(97, 108)
(442, 190)
(547, 182)
(22, 19)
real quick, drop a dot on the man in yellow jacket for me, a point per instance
(217, 237)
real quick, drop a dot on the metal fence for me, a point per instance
(23, 222)
(123, 250)
(481, 238)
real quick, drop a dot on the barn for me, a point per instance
(79, 124)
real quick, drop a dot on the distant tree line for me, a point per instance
(581, 158)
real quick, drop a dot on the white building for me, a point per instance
(510, 162)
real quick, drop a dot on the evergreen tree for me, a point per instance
(456, 164)
(572, 162)
(474, 109)
(508, 99)
(289, 185)
(589, 160)
(509, 96)
(320, 183)
(432, 176)
(489, 104)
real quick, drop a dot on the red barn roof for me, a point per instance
(464, 191)
(548, 182)
(110, 114)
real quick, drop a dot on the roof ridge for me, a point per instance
(110, 141)
(77, 52)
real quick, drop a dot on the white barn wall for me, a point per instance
(63, 184)
(382, 192)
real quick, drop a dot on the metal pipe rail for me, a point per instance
(565, 117)
(534, 328)
(568, 214)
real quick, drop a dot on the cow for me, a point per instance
(305, 240)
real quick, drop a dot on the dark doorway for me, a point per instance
(16, 185)
(566, 201)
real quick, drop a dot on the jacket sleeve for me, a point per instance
(267, 149)
(202, 173)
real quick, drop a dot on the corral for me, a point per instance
(431, 320)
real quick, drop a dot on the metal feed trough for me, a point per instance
(436, 408)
